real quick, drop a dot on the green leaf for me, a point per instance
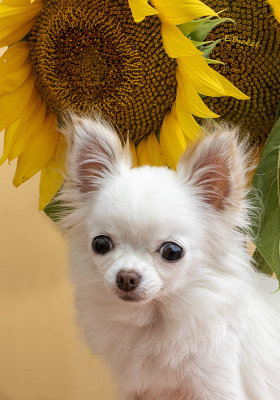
(261, 264)
(266, 181)
(53, 209)
(199, 34)
(206, 50)
(188, 27)
(200, 44)
(56, 208)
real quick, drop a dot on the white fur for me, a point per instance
(207, 326)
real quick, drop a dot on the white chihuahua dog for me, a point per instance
(164, 288)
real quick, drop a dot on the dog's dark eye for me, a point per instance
(102, 244)
(171, 251)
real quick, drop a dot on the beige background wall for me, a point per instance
(42, 356)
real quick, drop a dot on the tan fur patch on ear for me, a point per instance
(217, 165)
(90, 169)
(95, 151)
(215, 180)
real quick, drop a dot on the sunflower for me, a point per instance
(250, 52)
(130, 60)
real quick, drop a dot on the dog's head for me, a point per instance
(143, 233)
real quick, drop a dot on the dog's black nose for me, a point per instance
(128, 280)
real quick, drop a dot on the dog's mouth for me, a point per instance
(130, 297)
(126, 297)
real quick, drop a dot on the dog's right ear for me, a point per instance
(95, 152)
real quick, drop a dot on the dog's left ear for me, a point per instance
(95, 152)
(216, 166)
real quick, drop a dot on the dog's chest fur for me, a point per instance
(153, 354)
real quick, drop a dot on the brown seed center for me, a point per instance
(91, 56)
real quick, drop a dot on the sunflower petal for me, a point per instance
(11, 15)
(155, 152)
(177, 12)
(52, 174)
(13, 33)
(172, 140)
(38, 153)
(13, 104)
(142, 153)
(21, 133)
(199, 74)
(206, 80)
(186, 121)
(192, 101)
(11, 81)
(16, 2)
(14, 57)
(17, 129)
(276, 8)
(176, 44)
(24, 137)
(229, 88)
(141, 9)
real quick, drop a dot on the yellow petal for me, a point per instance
(192, 101)
(199, 74)
(13, 33)
(229, 88)
(179, 11)
(14, 57)
(133, 154)
(172, 140)
(16, 2)
(26, 136)
(206, 80)
(11, 81)
(141, 9)
(186, 121)
(13, 104)
(52, 174)
(142, 153)
(155, 152)
(20, 134)
(276, 8)
(11, 15)
(176, 44)
(38, 153)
